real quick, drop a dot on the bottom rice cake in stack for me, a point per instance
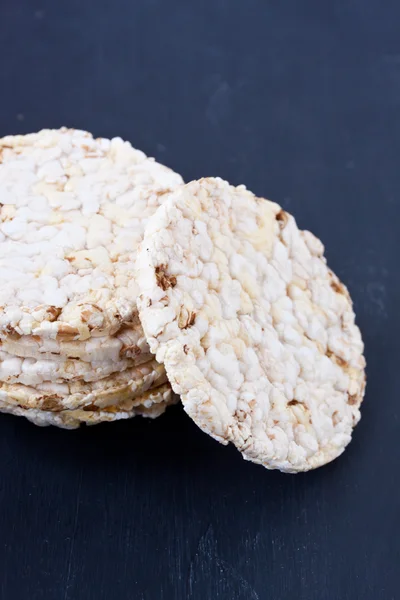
(72, 214)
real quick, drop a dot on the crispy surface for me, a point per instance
(72, 212)
(256, 333)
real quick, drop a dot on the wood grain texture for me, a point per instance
(300, 101)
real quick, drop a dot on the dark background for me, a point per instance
(299, 100)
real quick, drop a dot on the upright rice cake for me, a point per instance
(255, 331)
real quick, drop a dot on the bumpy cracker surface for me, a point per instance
(255, 331)
(72, 211)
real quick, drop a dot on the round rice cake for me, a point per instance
(128, 343)
(255, 331)
(151, 405)
(70, 395)
(72, 212)
(33, 372)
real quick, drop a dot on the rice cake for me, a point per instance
(70, 395)
(128, 343)
(72, 212)
(257, 334)
(32, 371)
(151, 404)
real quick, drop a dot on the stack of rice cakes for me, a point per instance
(72, 214)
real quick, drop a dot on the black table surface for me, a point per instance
(300, 101)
